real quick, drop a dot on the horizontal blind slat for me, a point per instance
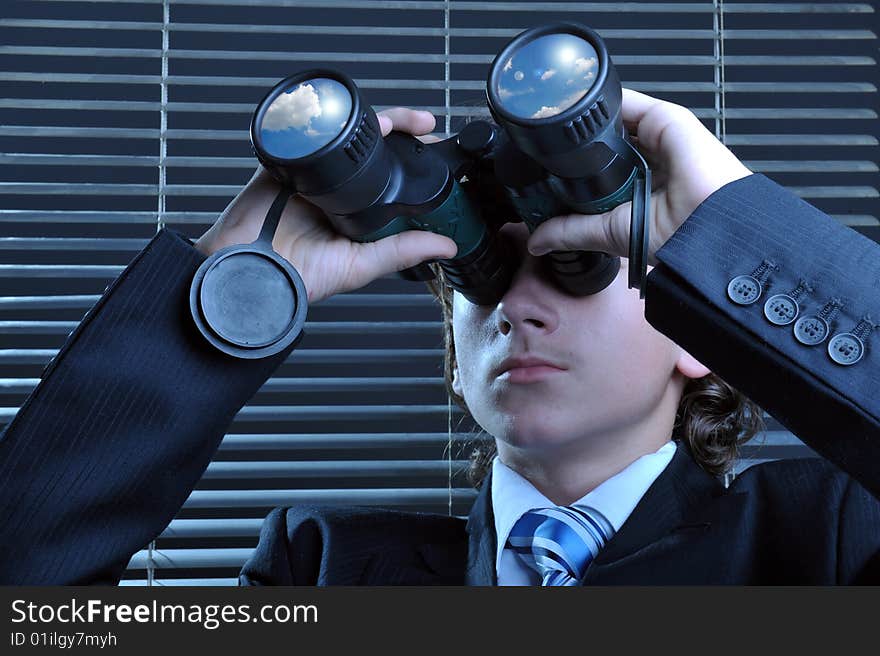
(215, 528)
(83, 301)
(24, 327)
(195, 558)
(343, 56)
(393, 497)
(743, 113)
(276, 385)
(426, 32)
(200, 218)
(163, 582)
(330, 469)
(813, 166)
(104, 216)
(304, 413)
(328, 441)
(490, 5)
(414, 84)
(305, 355)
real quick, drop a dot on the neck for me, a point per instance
(567, 471)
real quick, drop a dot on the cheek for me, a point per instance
(469, 332)
(628, 352)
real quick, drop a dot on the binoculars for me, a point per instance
(557, 146)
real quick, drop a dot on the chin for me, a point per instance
(526, 430)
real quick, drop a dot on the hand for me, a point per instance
(328, 262)
(687, 162)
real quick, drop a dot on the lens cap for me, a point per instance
(247, 300)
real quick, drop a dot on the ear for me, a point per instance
(689, 366)
(456, 381)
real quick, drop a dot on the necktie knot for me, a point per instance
(560, 542)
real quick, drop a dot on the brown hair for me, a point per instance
(714, 418)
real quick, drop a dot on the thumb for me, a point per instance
(408, 248)
(608, 233)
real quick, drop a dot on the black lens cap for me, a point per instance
(248, 301)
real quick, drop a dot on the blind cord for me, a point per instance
(163, 116)
(446, 72)
(449, 449)
(151, 565)
(720, 82)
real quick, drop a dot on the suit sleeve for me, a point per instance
(833, 408)
(126, 417)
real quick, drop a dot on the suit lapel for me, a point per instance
(423, 564)
(481, 538)
(684, 503)
(355, 570)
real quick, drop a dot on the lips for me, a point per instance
(526, 362)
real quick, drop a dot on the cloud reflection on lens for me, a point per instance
(305, 118)
(564, 68)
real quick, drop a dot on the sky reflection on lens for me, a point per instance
(547, 75)
(304, 118)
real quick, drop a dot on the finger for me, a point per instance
(429, 138)
(404, 250)
(659, 179)
(404, 119)
(664, 128)
(635, 105)
(579, 232)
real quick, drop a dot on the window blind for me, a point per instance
(120, 117)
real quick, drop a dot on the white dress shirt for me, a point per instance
(513, 495)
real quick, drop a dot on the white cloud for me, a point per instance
(293, 110)
(546, 111)
(555, 109)
(546, 75)
(504, 93)
(583, 64)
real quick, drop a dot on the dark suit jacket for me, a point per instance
(797, 521)
(127, 416)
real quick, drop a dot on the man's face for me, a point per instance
(611, 367)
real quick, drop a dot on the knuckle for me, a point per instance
(567, 237)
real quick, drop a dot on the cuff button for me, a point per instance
(781, 309)
(744, 290)
(811, 330)
(846, 349)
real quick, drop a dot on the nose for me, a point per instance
(527, 306)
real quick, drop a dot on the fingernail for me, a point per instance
(538, 251)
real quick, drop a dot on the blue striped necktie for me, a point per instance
(560, 542)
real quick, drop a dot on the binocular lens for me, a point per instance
(305, 117)
(547, 75)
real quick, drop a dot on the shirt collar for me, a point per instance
(513, 495)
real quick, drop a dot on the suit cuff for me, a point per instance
(745, 224)
(754, 220)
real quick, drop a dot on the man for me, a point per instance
(100, 458)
